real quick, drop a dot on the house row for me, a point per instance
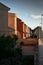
(19, 27)
(10, 23)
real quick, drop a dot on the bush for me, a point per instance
(8, 50)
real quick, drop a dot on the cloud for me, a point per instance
(36, 16)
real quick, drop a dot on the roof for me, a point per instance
(12, 13)
(19, 19)
(27, 26)
(37, 27)
(4, 7)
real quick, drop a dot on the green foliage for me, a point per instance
(18, 56)
(8, 41)
(7, 49)
(28, 60)
(21, 43)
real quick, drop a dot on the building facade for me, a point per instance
(37, 31)
(3, 19)
(12, 22)
(26, 31)
(20, 28)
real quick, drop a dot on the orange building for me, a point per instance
(26, 31)
(20, 27)
(16, 24)
(12, 22)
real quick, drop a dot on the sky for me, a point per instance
(29, 11)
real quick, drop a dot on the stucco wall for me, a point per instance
(10, 20)
(20, 27)
(3, 21)
(28, 50)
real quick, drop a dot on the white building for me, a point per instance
(3, 19)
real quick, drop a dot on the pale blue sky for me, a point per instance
(28, 10)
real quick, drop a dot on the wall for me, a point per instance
(24, 30)
(28, 50)
(12, 22)
(15, 23)
(20, 27)
(3, 21)
(37, 31)
(27, 31)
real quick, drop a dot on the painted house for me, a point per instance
(20, 27)
(3, 19)
(15, 23)
(26, 31)
(12, 22)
